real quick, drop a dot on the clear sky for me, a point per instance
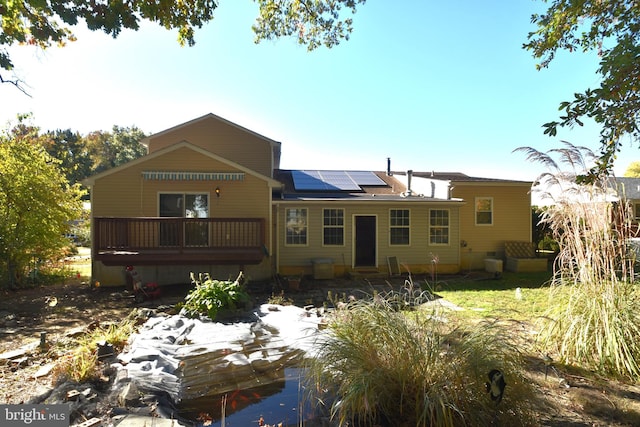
(433, 85)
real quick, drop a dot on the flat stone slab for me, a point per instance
(143, 421)
(19, 352)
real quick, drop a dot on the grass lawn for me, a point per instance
(498, 297)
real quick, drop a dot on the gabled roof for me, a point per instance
(183, 144)
(209, 116)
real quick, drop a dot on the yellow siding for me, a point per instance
(418, 255)
(511, 220)
(127, 194)
(223, 139)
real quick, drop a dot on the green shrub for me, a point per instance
(382, 366)
(210, 296)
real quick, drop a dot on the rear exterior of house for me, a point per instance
(183, 208)
(363, 231)
(496, 211)
(210, 197)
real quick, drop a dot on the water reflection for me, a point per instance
(281, 401)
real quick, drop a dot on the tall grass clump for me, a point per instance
(80, 362)
(594, 317)
(380, 366)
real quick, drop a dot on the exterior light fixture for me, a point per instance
(217, 191)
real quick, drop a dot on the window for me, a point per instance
(333, 227)
(184, 205)
(637, 211)
(399, 227)
(438, 226)
(177, 205)
(484, 211)
(296, 226)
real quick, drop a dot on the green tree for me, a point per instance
(313, 23)
(633, 171)
(37, 204)
(111, 149)
(612, 29)
(44, 23)
(70, 149)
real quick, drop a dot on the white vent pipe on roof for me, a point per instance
(409, 176)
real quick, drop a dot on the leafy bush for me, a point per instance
(387, 367)
(210, 296)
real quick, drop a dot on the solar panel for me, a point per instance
(308, 180)
(323, 180)
(365, 178)
(339, 180)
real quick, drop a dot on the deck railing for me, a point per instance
(177, 235)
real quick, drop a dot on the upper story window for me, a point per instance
(636, 211)
(438, 226)
(296, 226)
(484, 210)
(333, 227)
(399, 227)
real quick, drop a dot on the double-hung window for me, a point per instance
(399, 227)
(333, 227)
(438, 226)
(296, 226)
(484, 210)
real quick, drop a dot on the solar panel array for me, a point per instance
(318, 180)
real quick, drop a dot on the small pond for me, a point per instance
(253, 363)
(281, 401)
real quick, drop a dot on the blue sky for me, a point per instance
(442, 86)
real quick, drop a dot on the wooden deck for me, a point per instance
(178, 241)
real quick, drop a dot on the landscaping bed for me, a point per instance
(572, 397)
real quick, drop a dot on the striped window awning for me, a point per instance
(192, 176)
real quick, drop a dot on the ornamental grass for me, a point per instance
(381, 366)
(594, 315)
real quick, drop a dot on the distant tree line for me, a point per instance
(82, 156)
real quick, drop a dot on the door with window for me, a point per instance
(190, 231)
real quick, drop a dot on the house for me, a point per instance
(210, 197)
(629, 188)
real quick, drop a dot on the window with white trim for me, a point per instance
(296, 226)
(333, 227)
(484, 210)
(399, 227)
(438, 226)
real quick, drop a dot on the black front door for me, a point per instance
(365, 241)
